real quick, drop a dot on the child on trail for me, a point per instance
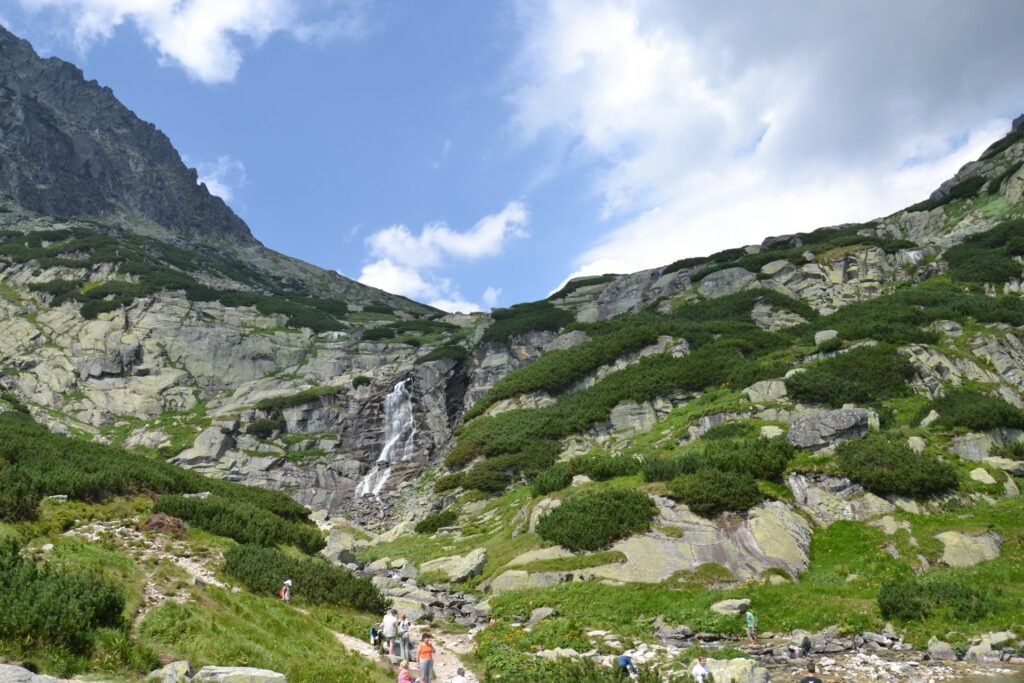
(403, 673)
(375, 635)
(460, 676)
(286, 592)
(425, 657)
(751, 623)
(810, 677)
(700, 671)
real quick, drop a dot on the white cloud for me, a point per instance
(223, 176)
(491, 295)
(446, 147)
(406, 263)
(206, 37)
(709, 127)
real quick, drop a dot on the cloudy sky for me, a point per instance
(472, 154)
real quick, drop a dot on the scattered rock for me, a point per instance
(980, 474)
(540, 614)
(928, 419)
(175, 672)
(940, 650)
(916, 443)
(458, 568)
(961, 550)
(730, 606)
(766, 391)
(237, 674)
(165, 524)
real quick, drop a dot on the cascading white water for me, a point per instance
(399, 432)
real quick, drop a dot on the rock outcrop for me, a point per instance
(823, 428)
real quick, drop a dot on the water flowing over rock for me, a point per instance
(399, 435)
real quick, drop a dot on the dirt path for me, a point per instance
(447, 649)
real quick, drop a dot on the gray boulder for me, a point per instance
(827, 427)
(540, 614)
(822, 336)
(940, 650)
(724, 282)
(175, 672)
(961, 550)
(237, 674)
(739, 670)
(730, 606)
(766, 391)
(458, 568)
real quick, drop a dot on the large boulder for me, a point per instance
(724, 282)
(175, 672)
(974, 447)
(731, 606)
(15, 674)
(961, 550)
(635, 418)
(827, 427)
(940, 650)
(458, 567)
(738, 671)
(237, 674)
(519, 579)
(829, 499)
(341, 547)
(766, 391)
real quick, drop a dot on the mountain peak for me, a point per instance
(70, 148)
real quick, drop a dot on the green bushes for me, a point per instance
(887, 465)
(49, 607)
(447, 352)
(51, 464)
(263, 570)
(241, 521)
(592, 521)
(521, 318)
(279, 403)
(974, 410)
(598, 466)
(863, 375)
(988, 256)
(922, 596)
(406, 327)
(432, 523)
(265, 428)
(709, 492)
(361, 381)
(759, 458)
(999, 146)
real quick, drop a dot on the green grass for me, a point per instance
(574, 563)
(247, 630)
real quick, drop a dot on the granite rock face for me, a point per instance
(823, 428)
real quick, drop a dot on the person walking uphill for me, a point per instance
(750, 620)
(286, 591)
(425, 657)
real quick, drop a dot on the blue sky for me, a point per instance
(471, 154)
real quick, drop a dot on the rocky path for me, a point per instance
(447, 649)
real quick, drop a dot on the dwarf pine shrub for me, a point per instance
(597, 519)
(263, 570)
(887, 465)
(709, 492)
(432, 523)
(943, 590)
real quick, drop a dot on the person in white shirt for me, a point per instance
(700, 671)
(390, 630)
(460, 676)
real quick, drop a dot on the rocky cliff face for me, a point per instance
(70, 148)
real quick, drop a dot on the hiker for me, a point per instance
(751, 622)
(425, 657)
(389, 629)
(460, 676)
(403, 673)
(810, 677)
(405, 640)
(700, 671)
(626, 665)
(286, 591)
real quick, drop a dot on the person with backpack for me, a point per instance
(286, 592)
(811, 677)
(750, 620)
(425, 657)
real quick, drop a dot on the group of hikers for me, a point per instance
(393, 637)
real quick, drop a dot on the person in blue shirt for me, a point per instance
(626, 665)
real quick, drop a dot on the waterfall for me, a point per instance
(399, 431)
